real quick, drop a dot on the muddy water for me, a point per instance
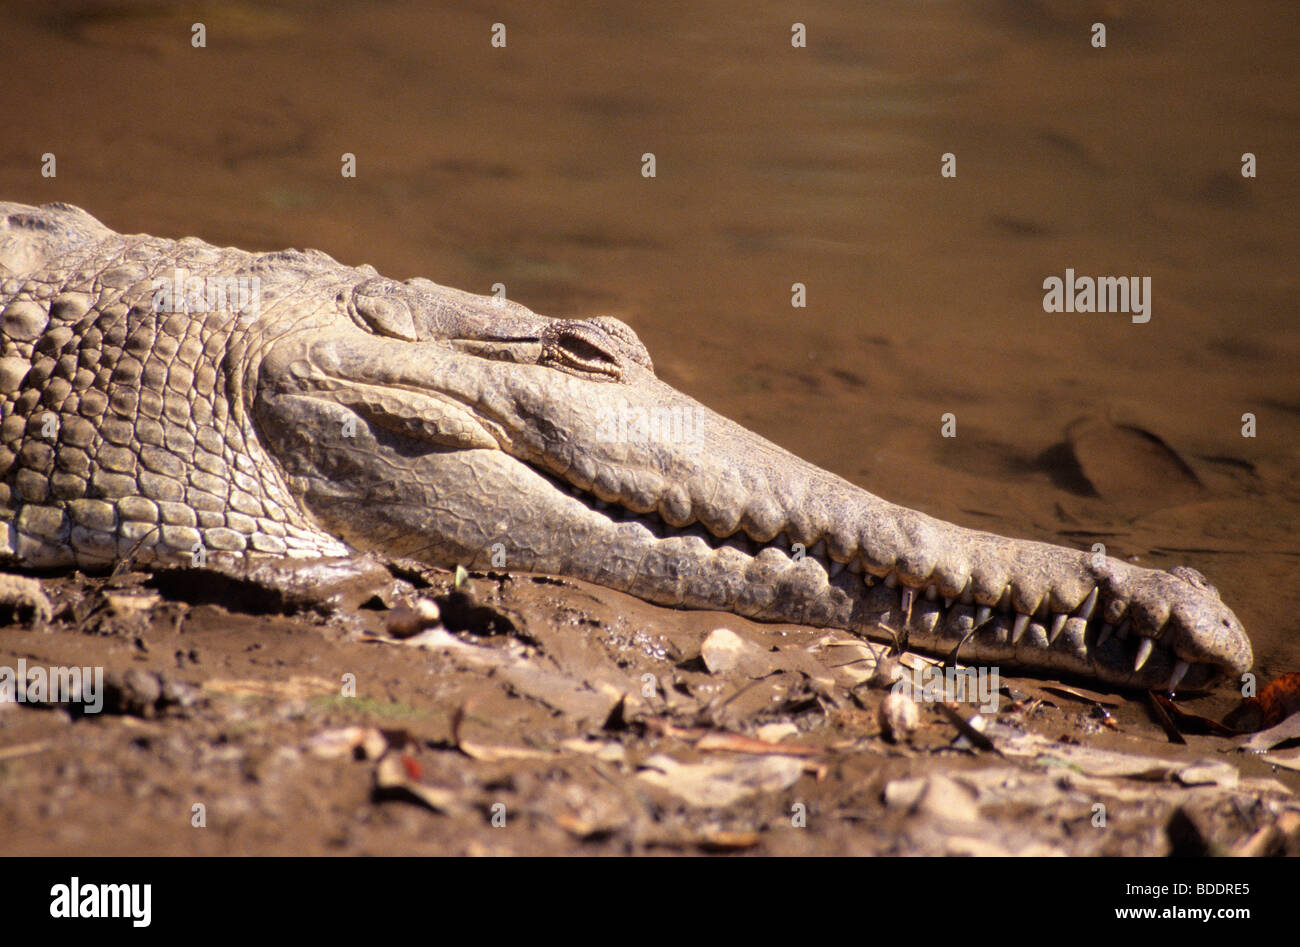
(774, 166)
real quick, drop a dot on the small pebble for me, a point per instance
(899, 716)
(408, 618)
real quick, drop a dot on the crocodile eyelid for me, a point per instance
(581, 346)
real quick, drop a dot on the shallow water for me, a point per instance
(778, 165)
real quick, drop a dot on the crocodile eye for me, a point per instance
(1194, 578)
(581, 352)
(581, 348)
(601, 346)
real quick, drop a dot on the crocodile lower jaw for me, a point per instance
(1076, 643)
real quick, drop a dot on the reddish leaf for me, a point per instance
(1187, 722)
(1277, 701)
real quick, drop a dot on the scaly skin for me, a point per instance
(350, 412)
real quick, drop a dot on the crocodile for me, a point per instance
(171, 402)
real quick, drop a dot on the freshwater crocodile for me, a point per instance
(320, 410)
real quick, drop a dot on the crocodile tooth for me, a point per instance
(947, 602)
(1058, 624)
(891, 581)
(1145, 647)
(834, 569)
(1084, 611)
(1018, 630)
(1122, 631)
(1180, 669)
(982, 615)
(818, 551)
(931, 592)
(855, 565)
(1104, 634)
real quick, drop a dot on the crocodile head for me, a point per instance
(455, 428)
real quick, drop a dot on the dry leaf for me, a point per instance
(1082, 694)
(393, 783)
(610, 752)
(724, 651)
(736, 743)
(1185, 722)
(366, 742)
(721, 782)
(297, 687)
(775, 732)
(23, 749)
(486, 752)
(724, 840)
(495, 754)
(1288, 729)
(1277, 701)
